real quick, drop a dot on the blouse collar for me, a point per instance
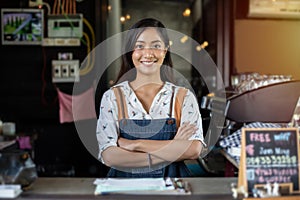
(128, 91)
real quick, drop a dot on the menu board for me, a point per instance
(270, 155)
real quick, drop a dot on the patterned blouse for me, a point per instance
(108, 126)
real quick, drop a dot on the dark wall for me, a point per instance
(242, 11)
(29, 98)
(27, 92)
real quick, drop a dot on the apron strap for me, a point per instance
(171, 101)
(122, 107)
(178, 104)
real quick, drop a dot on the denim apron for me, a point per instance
(153, 129)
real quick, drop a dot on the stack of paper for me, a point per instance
(136, 186)
(10, 191)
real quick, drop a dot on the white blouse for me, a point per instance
(108, 126)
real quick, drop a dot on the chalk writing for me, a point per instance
(279, 172)
(279, 150)
(273, 179)
(260, 137)
(282, 136)
(264, 151)
(272, 160)
(271, 156)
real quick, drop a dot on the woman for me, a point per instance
(147, 126)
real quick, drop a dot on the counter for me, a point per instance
(83, 188)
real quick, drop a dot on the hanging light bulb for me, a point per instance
(198, 48)
(201, 46)
(184, 39)
(122, 19)
(204, 44)
(186, 12)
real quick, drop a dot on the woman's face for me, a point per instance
(149, 52)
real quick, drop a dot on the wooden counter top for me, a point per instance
(83, 188)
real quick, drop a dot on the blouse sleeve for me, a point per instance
(191, 113)
(107, 131)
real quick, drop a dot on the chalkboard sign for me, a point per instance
(269, 155)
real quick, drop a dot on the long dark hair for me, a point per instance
(130, 41)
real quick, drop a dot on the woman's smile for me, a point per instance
(148, 62)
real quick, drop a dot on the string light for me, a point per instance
(202, 46)
(184, 39)
(186, 12)
(122, 19)
(198, 48)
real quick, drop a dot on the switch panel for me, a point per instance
(65, 71)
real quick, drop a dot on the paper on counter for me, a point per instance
(10, 191)
(109, 185)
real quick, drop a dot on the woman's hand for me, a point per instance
(185, 131)
(129, 145)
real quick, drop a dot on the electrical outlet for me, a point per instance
(65, 71)
(56, 71)
(74, 70)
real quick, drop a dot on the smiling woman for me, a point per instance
(147, 125)
(148, 56)
(150, 43)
